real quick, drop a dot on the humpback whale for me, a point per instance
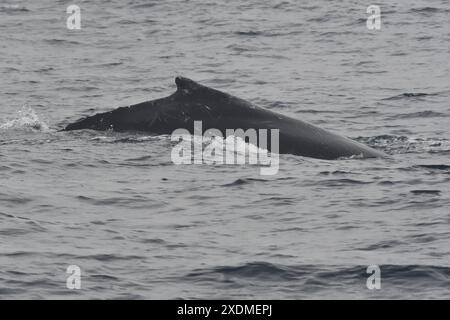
(218, 110)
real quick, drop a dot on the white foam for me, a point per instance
(25, 119)
(227, 147)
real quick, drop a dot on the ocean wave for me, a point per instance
(115, 137)
(144, 5)
(420, 114)
(427, 10)
(410, 95)
(430, 192)
(431, 169)
(436, 167)
(259, 270)
(61, 42)
(393, 144)
(320, 275)
(10, 8)
(341, 182)
(243, 181)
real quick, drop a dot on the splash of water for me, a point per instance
(25, 119)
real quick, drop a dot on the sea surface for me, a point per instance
(140, 227)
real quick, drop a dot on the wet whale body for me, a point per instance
(218, 110)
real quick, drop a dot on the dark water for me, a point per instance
(140, 227)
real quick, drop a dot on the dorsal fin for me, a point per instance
(185, 85)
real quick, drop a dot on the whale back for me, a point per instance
(219, 110)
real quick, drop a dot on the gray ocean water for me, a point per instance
(140, 227)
